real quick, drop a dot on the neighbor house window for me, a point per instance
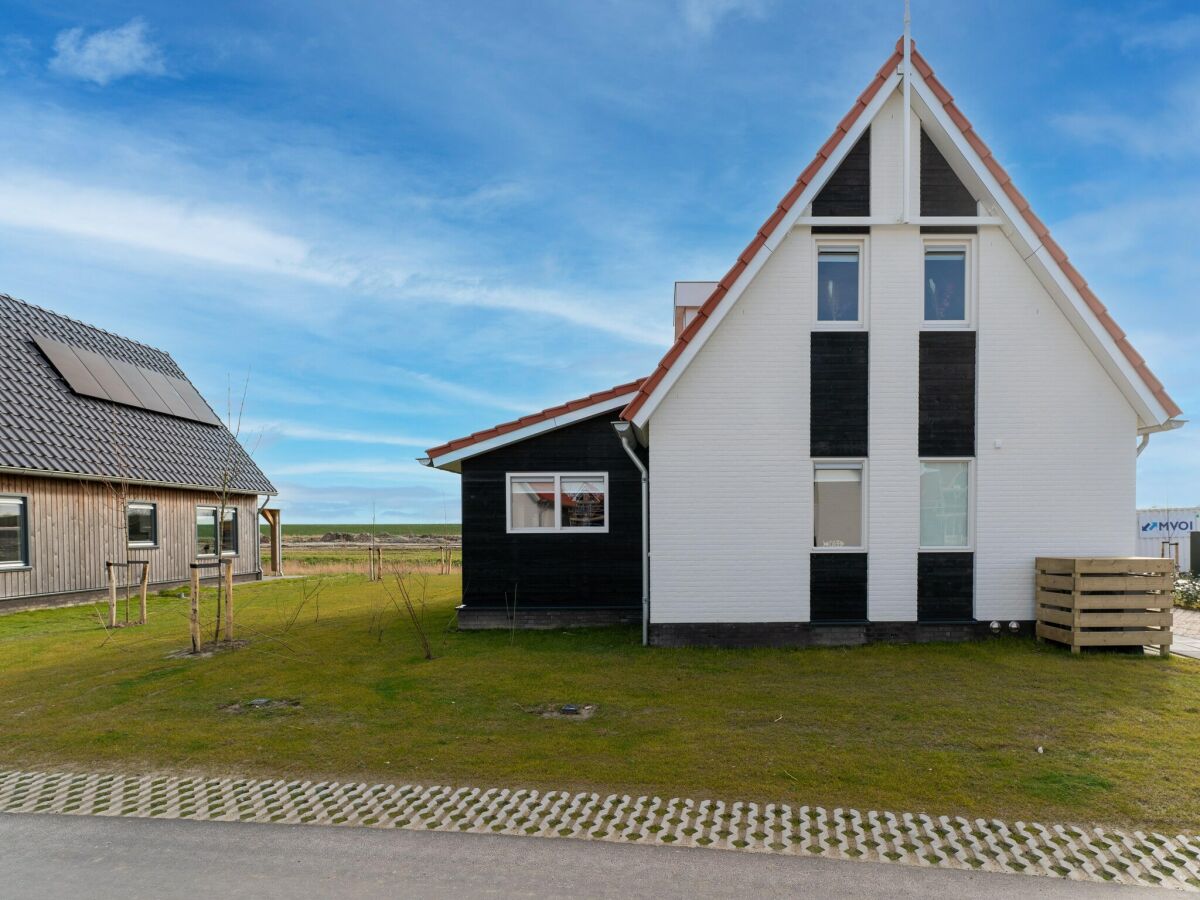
(945, 284)
(141, 520)
(14, 533)
(838, 284)
(560, 502)
(838, 506)
(208, 532)
(945, 504)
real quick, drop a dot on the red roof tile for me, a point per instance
(768, 228)
(534, 418)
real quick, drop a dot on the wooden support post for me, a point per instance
(112, 595)
(195, 610)
(370, 564)
(228, 600)
(145, 588)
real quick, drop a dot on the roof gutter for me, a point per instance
(106, 479)
(625, 432)
(1144, 433)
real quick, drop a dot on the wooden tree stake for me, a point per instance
(145, 588)
(229, 600)
(195, 611)
(112, 595)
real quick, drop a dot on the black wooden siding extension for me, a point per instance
(837, 587)
(848, 190)
(942, 193)
(945, 587)
(838, 364)
(946, 402)
(560, 570)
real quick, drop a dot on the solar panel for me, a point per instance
(163, 388)
(136, 381)
(91, 374)
(74, 372)
(102, 370)
(200, 410)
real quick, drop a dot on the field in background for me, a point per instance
(414, 529)
(324, 559)
(995, 728)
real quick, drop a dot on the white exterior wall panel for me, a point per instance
(1062, 481)
(730, 482)
(894, 486)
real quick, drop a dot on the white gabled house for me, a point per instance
(899, 395)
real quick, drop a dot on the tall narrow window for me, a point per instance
(945, 507)
(206, 531)
(229, 532)
(838, 284)
(550, 503)
(837, 506)
(14, 537)
(141, 524)
(945, 284)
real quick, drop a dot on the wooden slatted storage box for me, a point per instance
(1105, 602)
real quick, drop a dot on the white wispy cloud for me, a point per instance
(1173, 35)
(105, 56)
(301, 431)
(1169, 129)
(703, 16)
(173, 226)
(406, 468)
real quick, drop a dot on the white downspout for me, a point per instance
(907, 114)
(625, 433)
(1142, 442)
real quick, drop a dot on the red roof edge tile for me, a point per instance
(1056, 252)
(534, 418)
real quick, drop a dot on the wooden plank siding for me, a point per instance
(74, 528)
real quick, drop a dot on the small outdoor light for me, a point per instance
(1014, 627)
(994, 627)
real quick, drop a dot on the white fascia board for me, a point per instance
(781, 231)
(1048, 271)
(449, 461)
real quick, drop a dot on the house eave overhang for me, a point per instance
(144, 482)
(451, 460)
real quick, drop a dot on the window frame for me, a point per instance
(968, 243)
(26, 562)
(152, 544)
(834, 243)
(217, 520)
(860, 463)
(557, 477)
(969, 546)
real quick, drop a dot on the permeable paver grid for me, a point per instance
(1083, 854)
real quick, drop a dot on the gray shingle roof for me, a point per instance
(46, 427)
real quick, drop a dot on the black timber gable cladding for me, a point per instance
(848, 190)
(569, 570)
(946, 401)
(838, 401)
(837, 589)
(942, 193)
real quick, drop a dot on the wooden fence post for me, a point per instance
(145, 587)
(229, 600)
(112, 595)
(195, 611)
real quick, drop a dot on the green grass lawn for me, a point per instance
(951, 728)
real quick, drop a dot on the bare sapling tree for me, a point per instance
(409, 599)
(232, 467)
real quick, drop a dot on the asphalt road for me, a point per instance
(77, 856)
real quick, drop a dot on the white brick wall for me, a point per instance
(1063, 481)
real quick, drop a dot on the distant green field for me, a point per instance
(404, 528)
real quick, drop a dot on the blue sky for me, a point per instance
(410, 221)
